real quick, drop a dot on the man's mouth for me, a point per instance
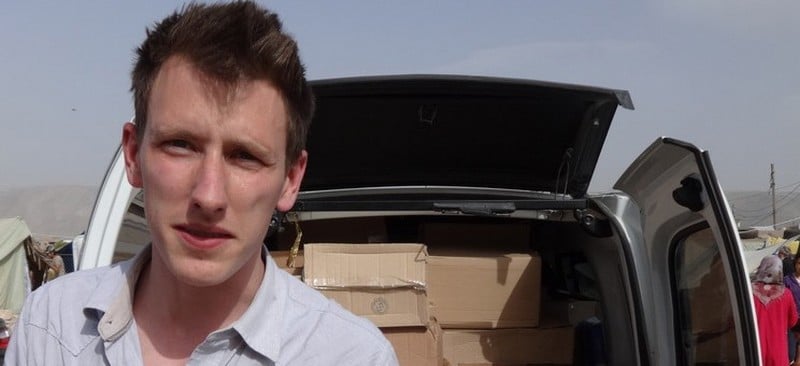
(203, 237)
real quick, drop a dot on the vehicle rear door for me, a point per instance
(695, 292)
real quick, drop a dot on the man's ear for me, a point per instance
(130, 147)
(291, 184)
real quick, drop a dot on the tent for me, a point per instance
(14, 281)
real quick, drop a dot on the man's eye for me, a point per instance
(244, 156)
(178, 144)
(247, 156)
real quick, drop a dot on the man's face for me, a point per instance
(213, 169)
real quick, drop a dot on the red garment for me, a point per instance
(774, 320)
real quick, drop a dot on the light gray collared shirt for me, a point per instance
(86, 318)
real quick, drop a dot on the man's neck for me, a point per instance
(173, 318)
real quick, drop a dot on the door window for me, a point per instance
(707, 333)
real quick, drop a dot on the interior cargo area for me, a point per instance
(500, 290)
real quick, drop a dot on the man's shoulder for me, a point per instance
(55, 314)
(78, 282)
(71, 292)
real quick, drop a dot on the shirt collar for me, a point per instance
(114, 296)
(261, 323)
(113, 300)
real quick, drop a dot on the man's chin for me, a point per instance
(201, 279)
(200, 273)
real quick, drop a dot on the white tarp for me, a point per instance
(756, 249)
(14, 285)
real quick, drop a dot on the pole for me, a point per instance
(772, 191)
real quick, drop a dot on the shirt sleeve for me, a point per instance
(18, 345)
(29, 344)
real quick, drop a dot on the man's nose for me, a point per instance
(209, 193)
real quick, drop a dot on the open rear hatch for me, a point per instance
(457, 131)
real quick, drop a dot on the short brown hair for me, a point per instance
(230, 43)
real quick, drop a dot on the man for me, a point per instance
(222, 109)
(55, 264)
(787, 258)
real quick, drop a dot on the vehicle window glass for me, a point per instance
(707, 333)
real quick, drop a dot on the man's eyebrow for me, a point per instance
(170, 131)
(252, 146)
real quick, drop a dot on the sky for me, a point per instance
(722, 75)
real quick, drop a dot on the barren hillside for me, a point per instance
(60, 211)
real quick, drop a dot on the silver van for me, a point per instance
(660, 253)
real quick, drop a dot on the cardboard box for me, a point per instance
(485, 290)
(416, 346)
(520, 346)
(394, 307)
(384, 283)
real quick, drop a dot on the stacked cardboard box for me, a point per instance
(416, 346)
(511, 346)
(488, 305)
(475, 300)
(484, 288)
(385, 283)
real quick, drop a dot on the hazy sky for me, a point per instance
(720, 74)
